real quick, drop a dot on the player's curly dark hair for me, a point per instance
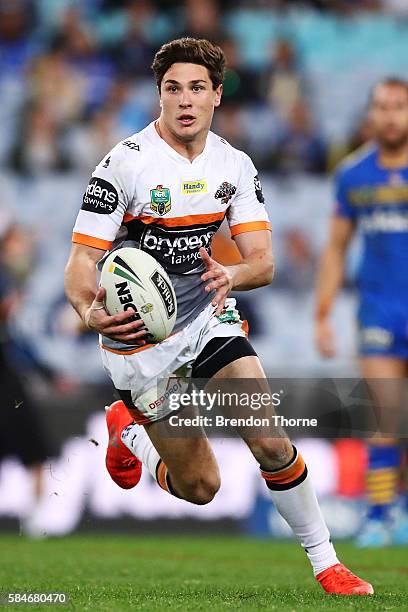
(193, 51)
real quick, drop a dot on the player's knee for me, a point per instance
(272, 453)
(201, 489)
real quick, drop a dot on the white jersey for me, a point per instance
(147, 195)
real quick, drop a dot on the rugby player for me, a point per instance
(166, 190)
(372, 195)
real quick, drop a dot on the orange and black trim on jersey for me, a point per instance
(287, 477)
(186, 221)
(139, 349)
(131, 352)
(97, 243)
(251, 226)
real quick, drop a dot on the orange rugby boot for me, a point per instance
(338, 580)
(124, 468)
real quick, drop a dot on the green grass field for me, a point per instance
(191, 573)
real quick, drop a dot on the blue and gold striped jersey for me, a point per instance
(376, 198)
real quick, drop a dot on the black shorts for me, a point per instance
(218, 353)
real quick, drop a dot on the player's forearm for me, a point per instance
(329, 280)
(255, 270)
(80, 289)
(80, 282)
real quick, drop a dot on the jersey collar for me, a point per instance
(159, 142)
(399, 163)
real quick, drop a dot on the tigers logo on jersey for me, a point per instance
(225, 192)
(160, 200)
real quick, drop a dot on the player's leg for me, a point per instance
(187, 467)
(383, 374)
(183, 466)
(291, 490)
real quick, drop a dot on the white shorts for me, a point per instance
(147, 372)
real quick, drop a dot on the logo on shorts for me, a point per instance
(160, 200)
(191, 187)
(225, 192)
(165, 293)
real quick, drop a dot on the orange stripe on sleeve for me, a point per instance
(91, 241)
(252, 226)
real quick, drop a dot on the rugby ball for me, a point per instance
(134, 280)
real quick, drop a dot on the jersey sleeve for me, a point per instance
(105, 202)
(247, 212)
(343, 206)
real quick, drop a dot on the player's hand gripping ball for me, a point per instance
(135, 281)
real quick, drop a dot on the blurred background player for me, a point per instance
(372, 195)
(21, 430)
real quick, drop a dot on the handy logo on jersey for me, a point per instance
(160, 200)
(225, 192)
(190, 187)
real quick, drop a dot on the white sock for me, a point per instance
(300, 508)
(134, 436)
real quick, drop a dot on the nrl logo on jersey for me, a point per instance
(160, 200)
(190, 187)
(225, 192)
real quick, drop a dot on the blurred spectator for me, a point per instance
(360, 135)
(228, 124)
(79, 47)
(134, 54)
(399, 8)
(90, 142)
(300, 147)
(21, 433)
(57, 85)
(283, 84)
(240, 83)
(16, 41)
(39, 146)
(297, 268)
(203, 20)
